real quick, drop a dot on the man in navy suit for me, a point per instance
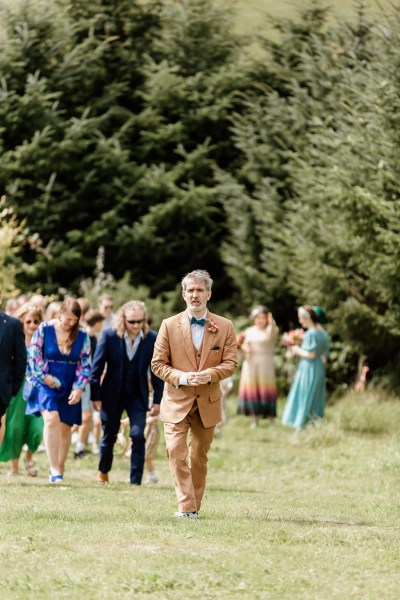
(12, 359)
(125, 352)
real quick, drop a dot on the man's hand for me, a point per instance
(199, 378)
(155, 410)
(97, 405)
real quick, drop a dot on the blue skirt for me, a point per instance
(48, 399)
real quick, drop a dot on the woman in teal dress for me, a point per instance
(22, 429)
(306, 399)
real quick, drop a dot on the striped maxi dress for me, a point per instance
(257, 387)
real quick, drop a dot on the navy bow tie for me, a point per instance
(194, 321)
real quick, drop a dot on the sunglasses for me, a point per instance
(34, 322)
(135, 322)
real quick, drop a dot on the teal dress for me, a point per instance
(306, 399)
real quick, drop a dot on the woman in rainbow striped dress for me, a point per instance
(257, 387)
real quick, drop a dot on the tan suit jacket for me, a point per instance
(174, 354)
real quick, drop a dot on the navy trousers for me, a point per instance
(111, 422)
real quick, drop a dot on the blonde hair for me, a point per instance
(26, 308)
(120, 325)
(261, 309)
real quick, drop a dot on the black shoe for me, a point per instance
(79, 455)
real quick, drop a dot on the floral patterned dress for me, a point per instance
(72, 370)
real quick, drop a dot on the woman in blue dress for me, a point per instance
(306, 399)
(59, 368)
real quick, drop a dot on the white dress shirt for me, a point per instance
(197, 339)
(132, 346)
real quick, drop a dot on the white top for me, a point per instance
(197, 339)
(197, 332)
(132, 345)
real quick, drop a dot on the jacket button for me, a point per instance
(198, 396)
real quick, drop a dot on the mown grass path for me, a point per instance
(312, 517)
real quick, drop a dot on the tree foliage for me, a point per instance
(143, 127)
(320, 179)
(115, 115)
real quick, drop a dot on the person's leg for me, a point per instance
(177, 451)
(137, 423)
(65, 441)
(14, 466)
(200, 442)
(51, 436)
(110, 422)
(254, 421)
(30, 464)
(152, 436)
(2, 421)
(83, 431)
(96, 431)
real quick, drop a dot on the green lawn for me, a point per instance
(308, 517)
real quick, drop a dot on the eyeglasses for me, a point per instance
(133, 322)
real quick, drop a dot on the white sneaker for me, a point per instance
(152, 478)
(187, 515)
(95, 449)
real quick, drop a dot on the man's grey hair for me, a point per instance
(198, 275)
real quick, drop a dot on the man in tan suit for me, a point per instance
(194, 351)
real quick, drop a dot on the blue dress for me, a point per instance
(72, 370)
(306, 399)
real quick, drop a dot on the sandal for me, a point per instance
(31, 469)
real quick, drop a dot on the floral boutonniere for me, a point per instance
(213, 327)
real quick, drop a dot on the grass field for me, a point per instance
(308, 517)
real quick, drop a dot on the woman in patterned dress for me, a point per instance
(257, 387)
(59, 367)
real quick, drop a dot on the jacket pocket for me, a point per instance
(215, 398)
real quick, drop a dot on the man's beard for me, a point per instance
(197, 308)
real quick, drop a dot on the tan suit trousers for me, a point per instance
(189, 477)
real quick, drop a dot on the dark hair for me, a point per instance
(73, 306)
(321, 314)
(93, 316)
(311, 312)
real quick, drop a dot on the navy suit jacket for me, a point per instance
(12, 357)
(110, 353)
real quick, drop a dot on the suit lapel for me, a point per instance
(208, 341)
(186, 335)
(3, 324)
